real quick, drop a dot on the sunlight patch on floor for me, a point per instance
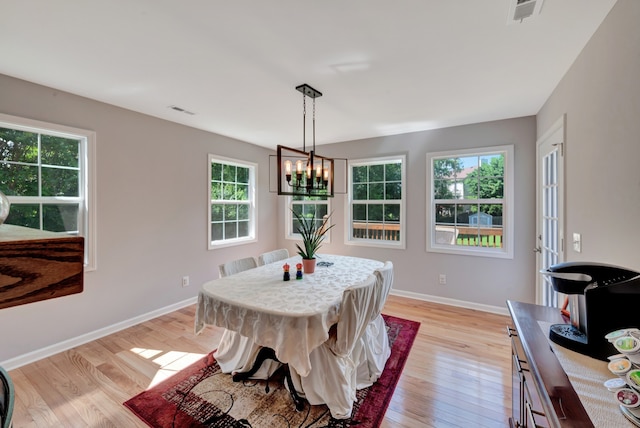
(169, 362)
(146, 353)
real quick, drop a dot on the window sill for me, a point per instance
(393, 245)
(231, 243)
(475, 252)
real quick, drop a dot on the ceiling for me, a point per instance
(384, 67)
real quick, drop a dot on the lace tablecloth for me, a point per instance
(292, 317)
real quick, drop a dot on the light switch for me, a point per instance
(577, 242)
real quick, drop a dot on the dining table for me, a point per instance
(291, 317)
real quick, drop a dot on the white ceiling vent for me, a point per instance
(519, 10)
(181, 110)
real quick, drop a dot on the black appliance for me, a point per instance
(602, 298)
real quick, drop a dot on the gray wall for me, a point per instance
(151, 217)
(146, 165)
(477, 280)
(152, 205)
(600, 95)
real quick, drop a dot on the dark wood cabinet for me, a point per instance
(38, 265)
(542, 393)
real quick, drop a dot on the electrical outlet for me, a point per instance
(442, 279)
(185, 281)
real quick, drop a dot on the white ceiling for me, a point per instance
(384, 67)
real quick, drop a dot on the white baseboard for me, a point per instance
(452, 302)
(39, 354)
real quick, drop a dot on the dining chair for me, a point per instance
(238, 353)
(332, 379)
(273, 256)
(7, 398)
(236, 266)
(374, 348)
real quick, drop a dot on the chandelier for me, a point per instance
(300, 172)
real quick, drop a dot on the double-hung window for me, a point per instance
(470, 202)
(232, 207)
(306, 206)
(376, 215)
(47, 173)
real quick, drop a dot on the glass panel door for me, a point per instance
(550, 191)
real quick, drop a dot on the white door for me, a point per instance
(550, 209)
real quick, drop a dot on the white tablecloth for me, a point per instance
(292, 317)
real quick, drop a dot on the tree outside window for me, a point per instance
(34, 165)
(45, 171)
(306, 206)
(377, 202)
(468, 200)
(231, 208)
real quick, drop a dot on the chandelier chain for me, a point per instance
(304, 121)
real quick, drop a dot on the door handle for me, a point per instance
(537, 250)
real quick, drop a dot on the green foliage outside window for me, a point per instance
(377, 182)
(444, 173)
(315, 208)
(229, 182)
(230, 195)
(35, 165)
(487, 182)
(376, 194)
(457, 183)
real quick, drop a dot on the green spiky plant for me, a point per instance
(312, 235)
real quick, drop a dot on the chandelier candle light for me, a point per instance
(313, 174)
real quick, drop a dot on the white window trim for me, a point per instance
(349, 240)
(506, 252)
(292, 235)
(87, 157)
(253, 206)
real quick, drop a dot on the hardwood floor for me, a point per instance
(459, 371)
(457, 375)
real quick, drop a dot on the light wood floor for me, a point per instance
(458, 373)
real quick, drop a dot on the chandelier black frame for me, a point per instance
(303, 173)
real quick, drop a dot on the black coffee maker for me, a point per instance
(602, 298)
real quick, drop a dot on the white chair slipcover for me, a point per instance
(375, 343)
(332, 379)
(273, 256)
(237, 353)
(236, 266)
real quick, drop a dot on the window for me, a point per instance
(46, 171)
(232, 210)
(306, 205)
(470, 202)
(377, 202)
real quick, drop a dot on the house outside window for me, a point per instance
(470, 202)
(377, 194)
(47, 173)
(232, 207)
(306, 206)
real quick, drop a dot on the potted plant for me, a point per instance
(312, 236)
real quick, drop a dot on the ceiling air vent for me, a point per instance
(181, 110)
(519, 10)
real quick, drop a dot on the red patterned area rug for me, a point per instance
(202, 396)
